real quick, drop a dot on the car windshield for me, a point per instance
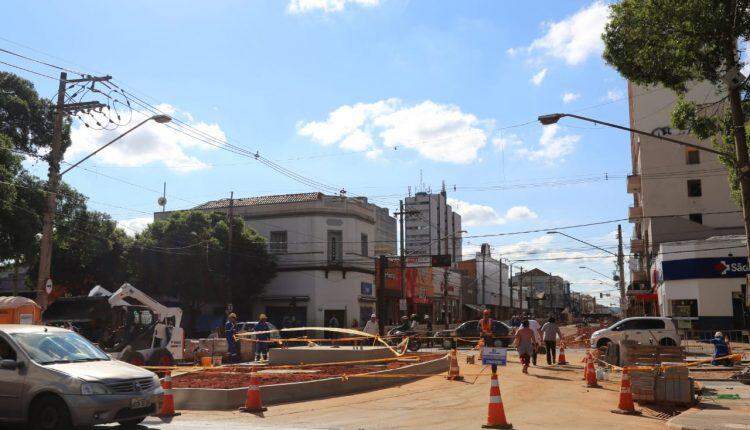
(58, 347)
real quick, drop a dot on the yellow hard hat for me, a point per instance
(262, 316)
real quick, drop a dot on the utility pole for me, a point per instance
(402, 256)
(380, 292)
(484, 253)
(500, 285)
(510, 286)
(445, 296)
(53, 180)
(621, 268)
(229, 247)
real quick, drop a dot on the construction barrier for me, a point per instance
(453, 372)
(167, 406)
(626, 405)
(591, 373)
(561, 358)
(495, 411)
(253, 403)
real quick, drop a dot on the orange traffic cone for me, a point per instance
(253, 402)
(591, 373)
(585, 367)
(454, 372)
(496, 412)
(561, 358)
(167, 406)
(626, 406)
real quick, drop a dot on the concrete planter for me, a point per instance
(203, 399)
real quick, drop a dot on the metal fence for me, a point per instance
(691, 340)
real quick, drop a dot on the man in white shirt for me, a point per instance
(535, 327)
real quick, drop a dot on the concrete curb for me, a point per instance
(207, 399)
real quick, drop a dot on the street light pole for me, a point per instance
(45, 245)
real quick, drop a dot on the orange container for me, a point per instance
(206, 361)
(19, 310)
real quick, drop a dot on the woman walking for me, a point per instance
(525, 344)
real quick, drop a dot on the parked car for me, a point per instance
(501, 333)
(55, 379)
(644, 330)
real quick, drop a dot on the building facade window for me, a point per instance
(692, 156)
(278, 242)
(685, 308)
(696, 218)
(335, 247)
(365, 244)
(694, 188)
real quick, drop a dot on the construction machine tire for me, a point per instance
(161, 357)
(129, 355)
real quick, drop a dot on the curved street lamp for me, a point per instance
(161, 119)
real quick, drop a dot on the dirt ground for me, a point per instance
(549, 397)
(239, 376)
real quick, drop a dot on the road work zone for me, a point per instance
(549, 397)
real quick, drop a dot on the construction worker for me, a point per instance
(261, 347)
(230, 332)
(485, 332)
(721, 349)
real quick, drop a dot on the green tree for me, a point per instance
(676, 42)
(186, 256)
(25, 118)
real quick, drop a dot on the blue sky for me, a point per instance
(327, 88)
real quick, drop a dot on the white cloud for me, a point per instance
(507, 142)
(539, 77)
(512, 52)
(520, 212)
(576, 37)
(133, 226)
(552, 148)
(614, 95)
(438, 132)
(325, 6)
(150, 143)
(475, 215)
(569, 97)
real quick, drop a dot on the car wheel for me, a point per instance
(667, 341)
(133, 357)
(49, 413)
(161, 357)
(603, 343)
(131, 424)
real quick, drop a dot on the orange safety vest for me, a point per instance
(486, 325)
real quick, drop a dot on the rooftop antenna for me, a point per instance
(409, 190)
(421, 181)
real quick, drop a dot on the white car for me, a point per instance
(644, 330)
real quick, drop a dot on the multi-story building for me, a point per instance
(679, 193)
(324, 249)
(546, 294)
(490, 281)
(431, 227)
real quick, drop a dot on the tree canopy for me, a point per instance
(675, 43)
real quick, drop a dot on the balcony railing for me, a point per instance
(634, 184)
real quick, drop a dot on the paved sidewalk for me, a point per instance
(715, 412)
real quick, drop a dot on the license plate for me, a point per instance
(138, 403)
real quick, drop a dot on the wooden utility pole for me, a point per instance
(53, 180)
(230, 221)
(621, 268)
(402, 255)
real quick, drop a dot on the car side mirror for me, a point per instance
(10, 364)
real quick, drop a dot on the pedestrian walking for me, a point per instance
(372, 327)
(550, 331)
(525, 342)
(333, 323)
(535, 326)
(262, 338)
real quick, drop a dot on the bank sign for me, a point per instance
(700, 268)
